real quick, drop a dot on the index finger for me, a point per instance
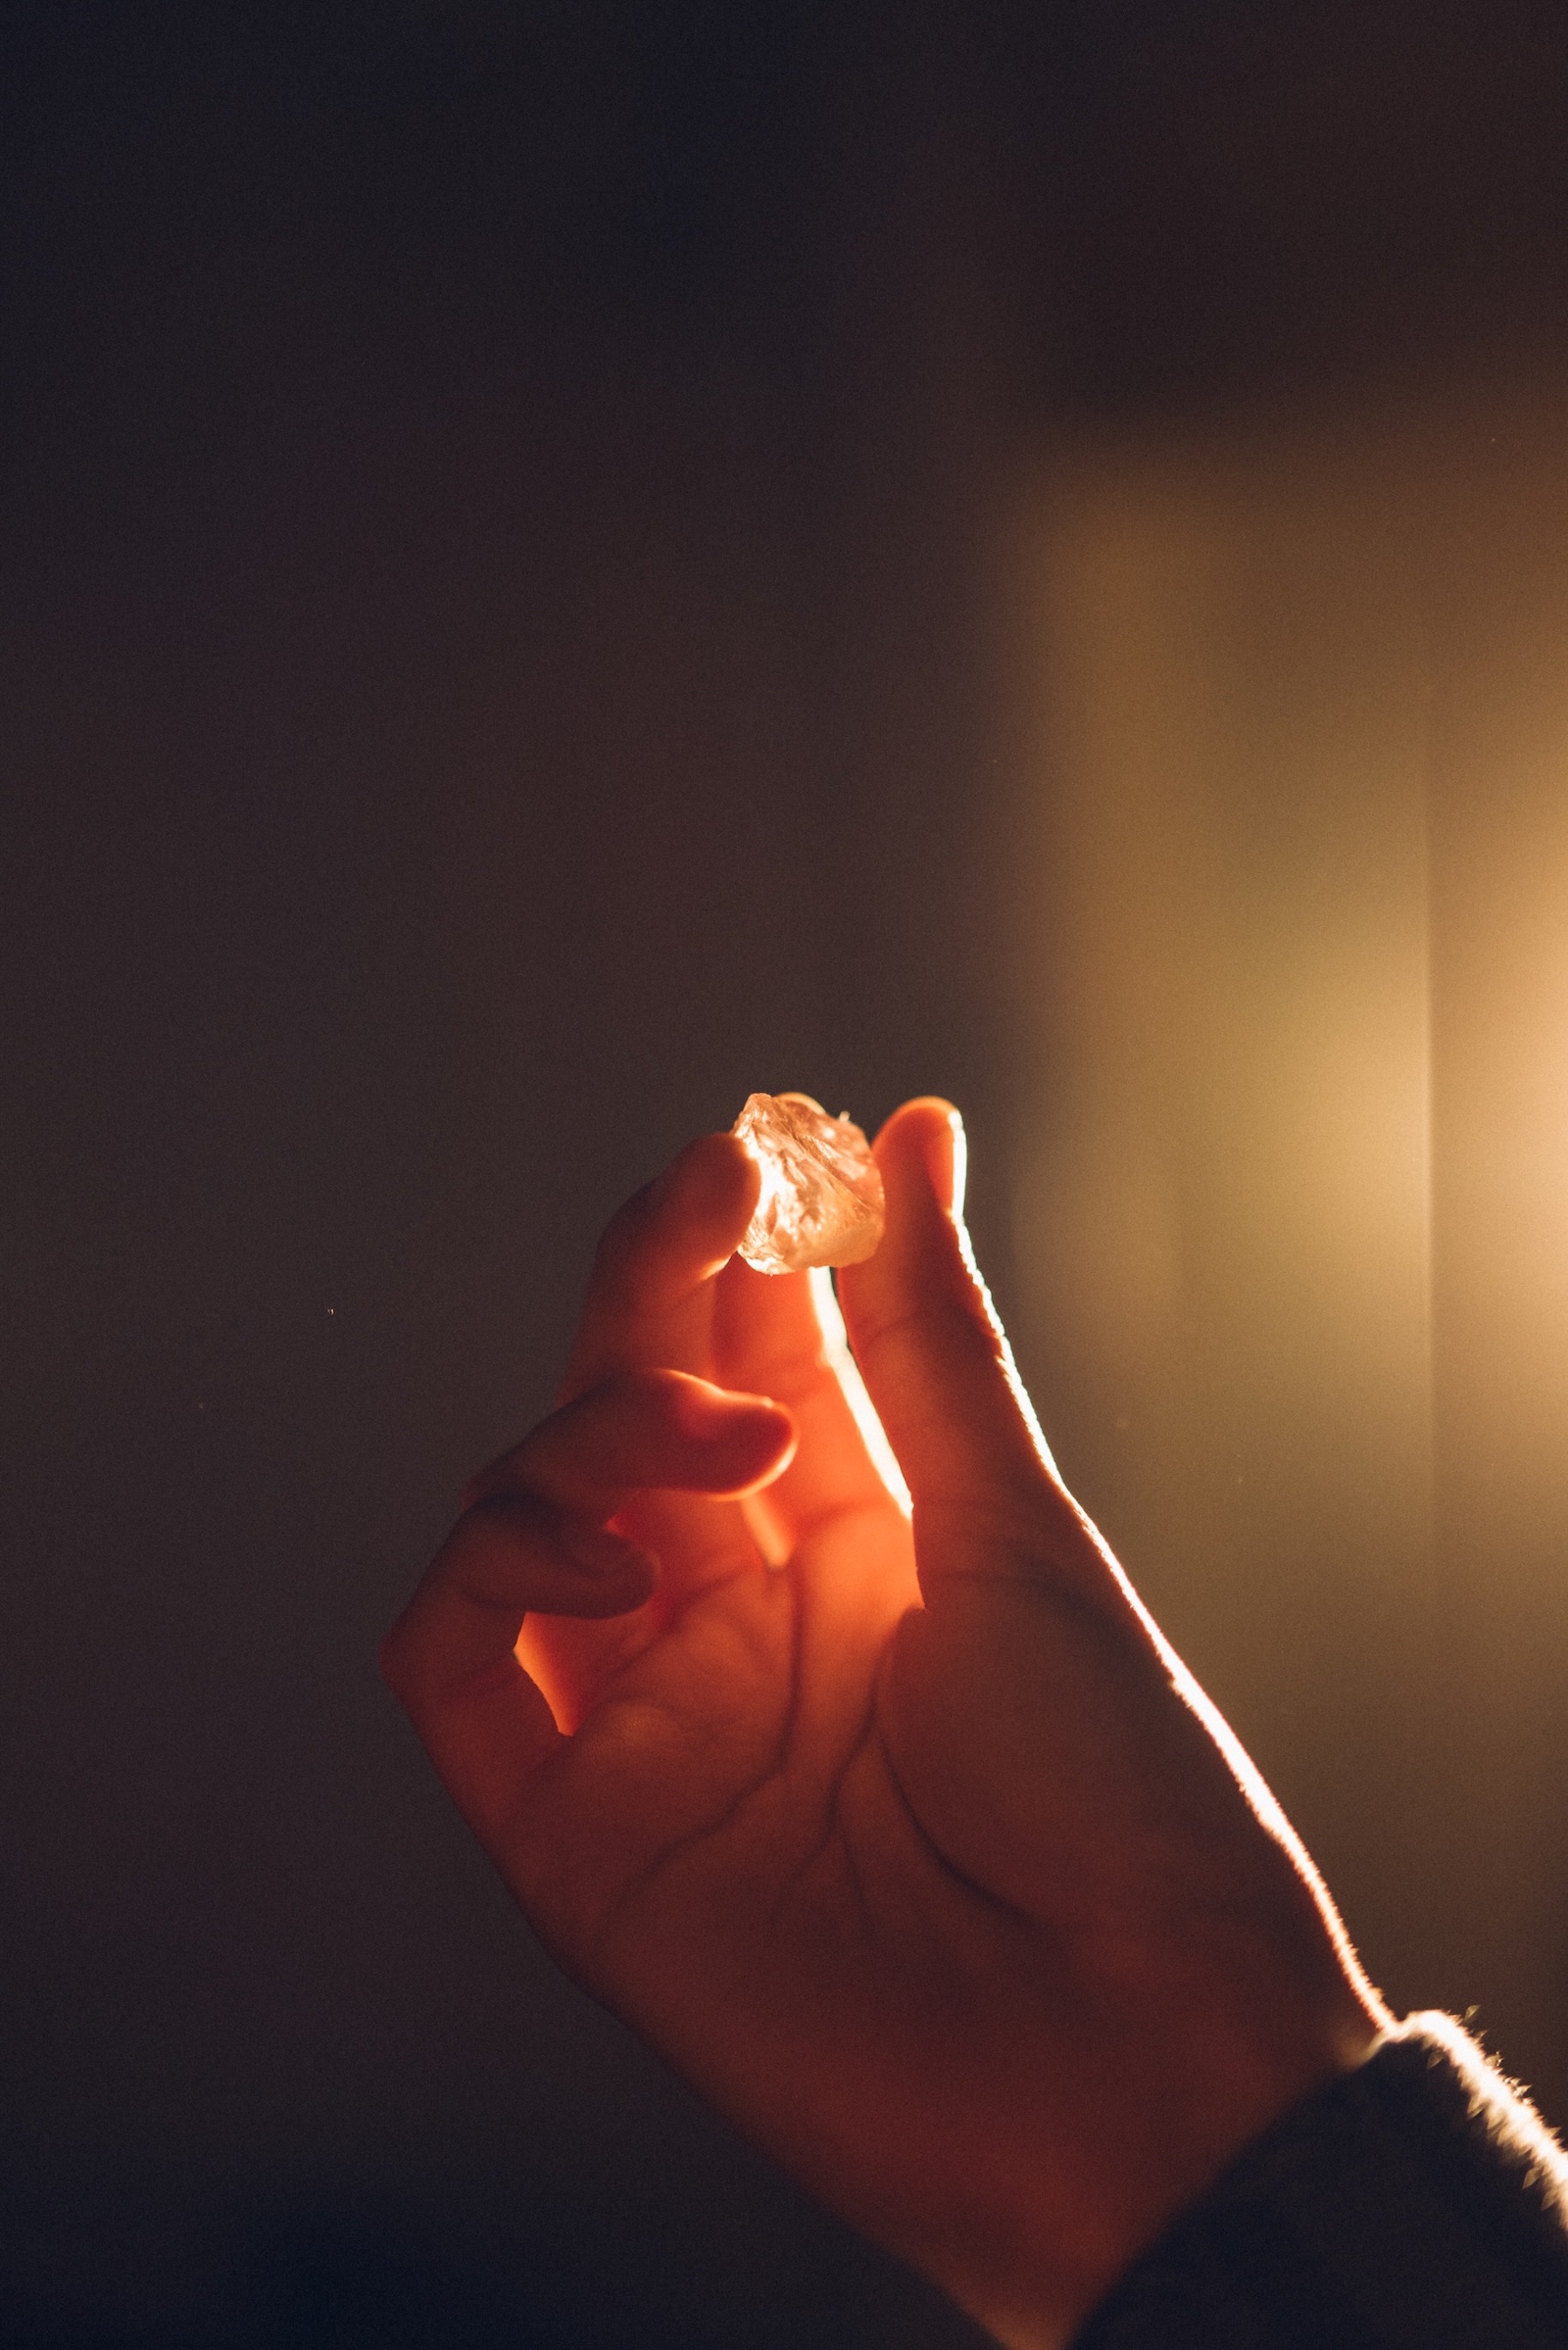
(668, 1290)
(649, 1296)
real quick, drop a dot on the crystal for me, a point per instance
(822, 1198)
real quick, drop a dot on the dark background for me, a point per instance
(501, 654)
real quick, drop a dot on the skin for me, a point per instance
(920, 1855)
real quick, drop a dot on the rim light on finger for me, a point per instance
(847, 1371)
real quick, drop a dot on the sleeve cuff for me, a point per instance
(1417, 2201)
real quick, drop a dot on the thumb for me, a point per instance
(936, 1360)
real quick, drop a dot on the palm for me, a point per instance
(938, 1883)
(717, 1726)
(753, 1889)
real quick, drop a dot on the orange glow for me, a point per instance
(1291, 1191)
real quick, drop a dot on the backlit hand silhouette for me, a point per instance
(918, 1853)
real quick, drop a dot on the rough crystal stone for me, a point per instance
(822, 1196)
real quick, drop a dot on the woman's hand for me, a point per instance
(917, 1852)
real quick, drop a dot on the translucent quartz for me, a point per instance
(822, 1196)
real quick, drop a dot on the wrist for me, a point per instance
(1174, 2100)
(1417, 2195)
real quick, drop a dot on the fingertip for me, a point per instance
(750, 1439)
(714, 1179)
(528, 1559)
(607, 1555)
(663, 1244)
(923, 1143)
(776, 1437)
(680, 1229)
(617, 1589)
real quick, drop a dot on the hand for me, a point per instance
(919, 1854)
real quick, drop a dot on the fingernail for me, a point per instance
(597, 1550)
(663, 1185)
(947, 1160)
